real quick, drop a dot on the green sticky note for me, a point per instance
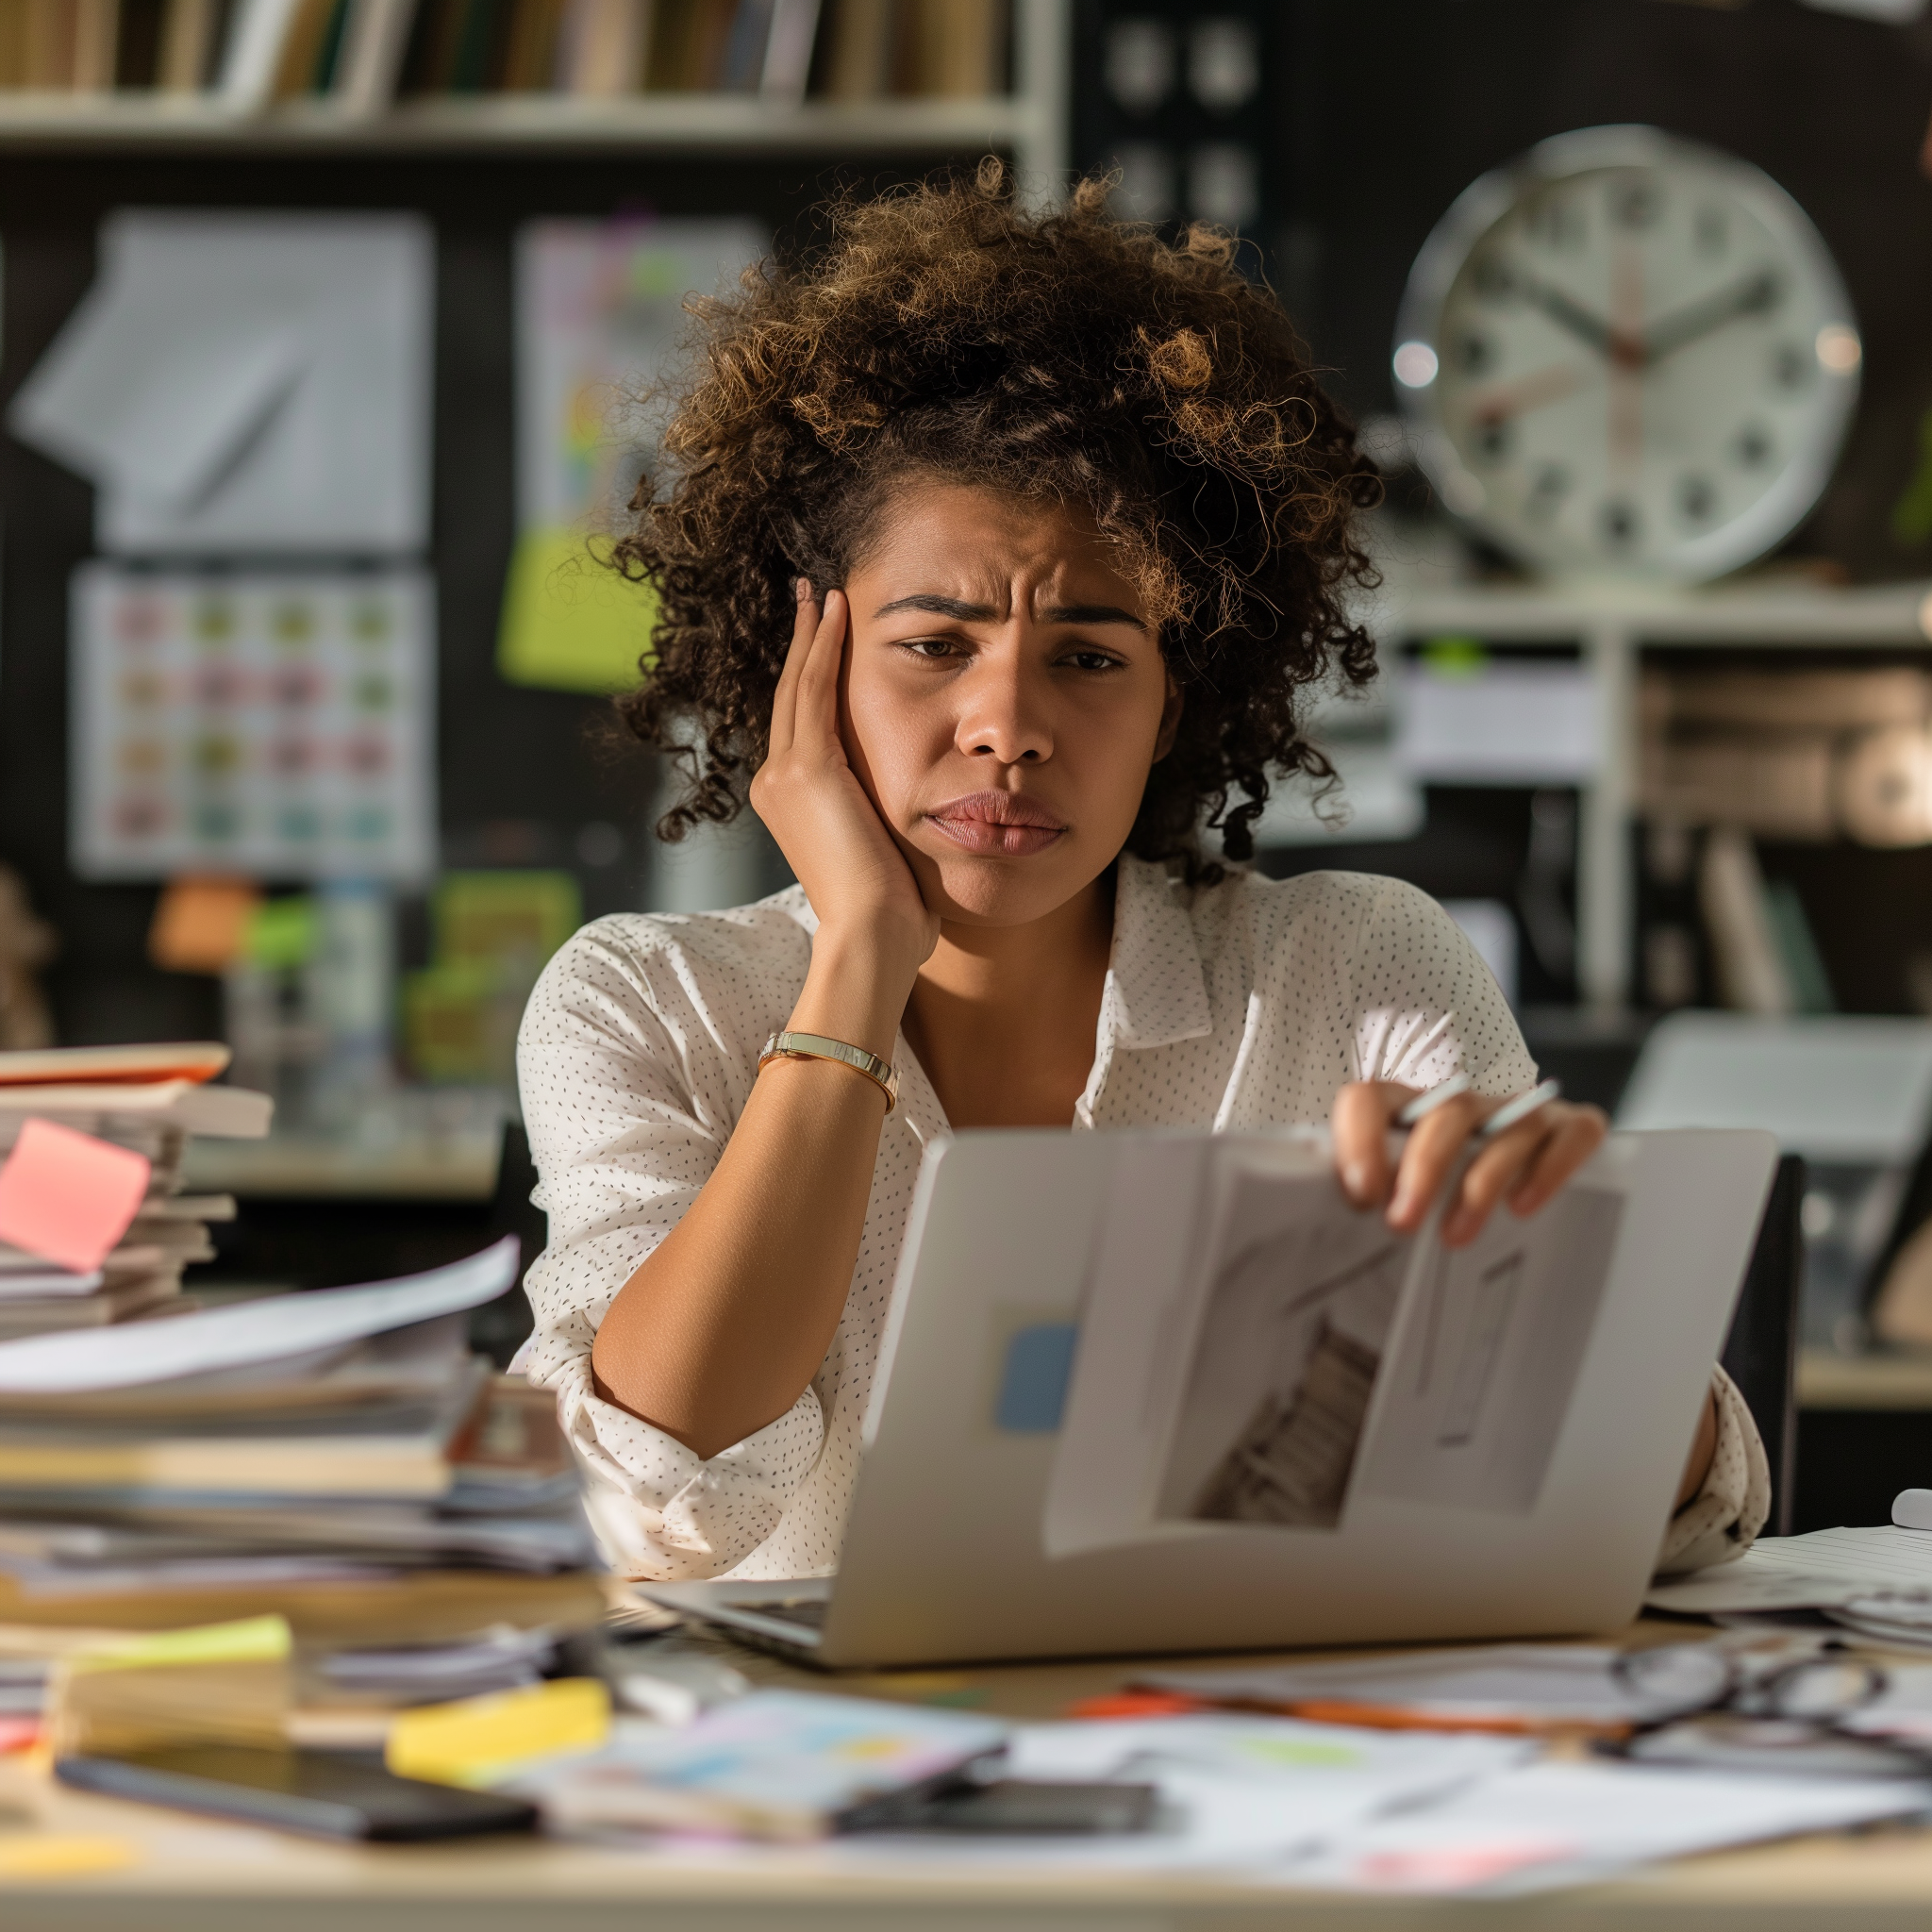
(254, 1639)
(1456, 657)
(281, 933)
(570, 621)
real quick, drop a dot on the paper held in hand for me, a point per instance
(1255, 1350)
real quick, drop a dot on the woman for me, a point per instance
(998, 553)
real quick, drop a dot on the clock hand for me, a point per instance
(1751, 297)
(1609, 342)
(1546, 386)
(1570, 314)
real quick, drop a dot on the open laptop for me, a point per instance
(1148, 1392)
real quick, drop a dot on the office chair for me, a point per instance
(1760, 1353)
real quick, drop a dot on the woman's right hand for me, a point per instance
(873, 921)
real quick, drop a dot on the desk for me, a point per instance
(201, 1875)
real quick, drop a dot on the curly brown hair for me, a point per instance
(1068, 357)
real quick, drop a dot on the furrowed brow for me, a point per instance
(1092, 613)
(938, 607)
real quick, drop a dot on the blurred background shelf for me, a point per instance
(736, 124)
(1612, 630)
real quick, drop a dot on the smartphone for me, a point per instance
(322, 1793)
(1024, 1808)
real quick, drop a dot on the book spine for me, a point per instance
(14, 46)
(860, 61)
(375, 38)
(96, 44)
(1752, 976)
(607, 48)
(745, 46)
(50, 32)
(530, 62)
(316, 74)
(788, 50)
(257, 37)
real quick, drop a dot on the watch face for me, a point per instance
(1627, 356)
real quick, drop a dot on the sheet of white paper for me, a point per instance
(24, 1281)
(154, 395)
(1797, 1573)
(259, 1331)
(1512, 722)
(1549, 1825)
(248, 382)
(1550, 1683)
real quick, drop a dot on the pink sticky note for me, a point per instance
(68, 1197)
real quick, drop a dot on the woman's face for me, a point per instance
(1003, 700)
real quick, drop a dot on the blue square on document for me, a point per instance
(1033, 1384)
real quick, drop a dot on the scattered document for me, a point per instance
(1827, 1568)
(600, 314)
(67, 1197)
(273, 725)
(1500, 1685)
(774, 1764)
(1255, 1370)
(1551, 1825)
(280, 1328)
(237, 383)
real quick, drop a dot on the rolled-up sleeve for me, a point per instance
(1723, 1518)
(633, 1069)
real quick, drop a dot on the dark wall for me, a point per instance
(520, 774)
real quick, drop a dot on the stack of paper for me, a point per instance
(339, 1458)
(93, 1226)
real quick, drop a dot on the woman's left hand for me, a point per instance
(1523, 1165)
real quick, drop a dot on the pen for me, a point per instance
(1518, 1109)
(1426, 1103)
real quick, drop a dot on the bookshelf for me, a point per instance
(1029, 123)
(1612, 627)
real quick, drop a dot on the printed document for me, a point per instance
(1255, 1350)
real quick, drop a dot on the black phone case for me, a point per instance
(318, 1794)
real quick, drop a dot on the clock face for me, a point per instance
(1627, 356)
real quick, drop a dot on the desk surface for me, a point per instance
(190, 1874)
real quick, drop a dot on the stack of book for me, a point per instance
(339, 1458)
(150, 1099)
(360, 55)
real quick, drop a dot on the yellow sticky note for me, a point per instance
(62, 1854)
(480, 1739)
(253, 1639)
(570, 621)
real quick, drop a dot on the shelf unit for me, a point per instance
(1030, 122)
(1611, 626)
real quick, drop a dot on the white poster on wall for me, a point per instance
(239, 384)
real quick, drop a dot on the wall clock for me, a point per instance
(1627, 356)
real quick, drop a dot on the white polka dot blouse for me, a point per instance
(1244, 1005)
